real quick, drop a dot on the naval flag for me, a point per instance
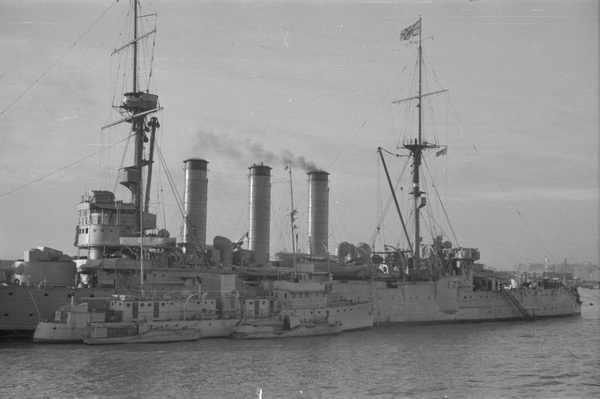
(411, 31)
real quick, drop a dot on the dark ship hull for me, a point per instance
(23, 307)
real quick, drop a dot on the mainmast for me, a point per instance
(417, 153)
(418, 145)
(416, 148)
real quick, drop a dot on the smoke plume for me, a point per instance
(249, 151)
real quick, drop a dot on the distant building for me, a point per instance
(579, 271)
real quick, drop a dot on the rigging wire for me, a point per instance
(437, 194)
(63, 168)
(539, 241)
(123, 160)
(172, 184)
(341, 218)
(375, 107)
(408, 124)
(383, 213)
(56, 62)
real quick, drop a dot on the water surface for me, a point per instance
(552, 358)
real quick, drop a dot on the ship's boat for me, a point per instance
(123, 317)
(301, 304)
(126, 319)
(146, 337)
(286, 327)
(437, 282)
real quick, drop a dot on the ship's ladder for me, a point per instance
(517, 304)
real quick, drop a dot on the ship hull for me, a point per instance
(448, 300)
(60, 333)
(78, 332)
(149, 337)
(351, 317)
(23, 307)
(302, 330)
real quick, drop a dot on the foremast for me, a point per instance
(136, 106)
(111, 228)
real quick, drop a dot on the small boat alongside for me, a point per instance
(284, 327)
(105, 335)
(303, 305)
(71, 324)
(125, 318)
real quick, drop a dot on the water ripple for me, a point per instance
(545, 359)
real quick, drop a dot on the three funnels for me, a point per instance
(259, 233)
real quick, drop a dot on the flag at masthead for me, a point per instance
(411, 31)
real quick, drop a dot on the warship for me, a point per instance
(122, 253)
(421, 283)
(438, 282)
(120, 249)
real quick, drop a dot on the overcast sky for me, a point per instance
(254, 81)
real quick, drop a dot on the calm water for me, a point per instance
(545, 359)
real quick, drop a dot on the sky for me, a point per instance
(244, 82)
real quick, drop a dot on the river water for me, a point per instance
(553, 358)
